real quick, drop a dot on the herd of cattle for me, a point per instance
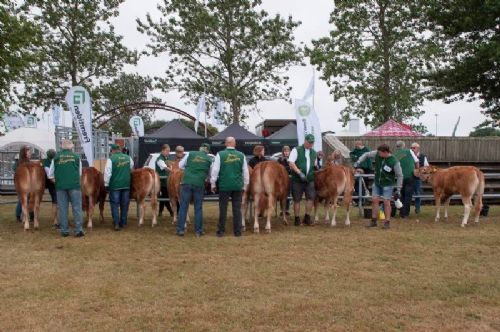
(269, 183)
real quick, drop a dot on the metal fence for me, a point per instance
(7, 162)
(100, 141)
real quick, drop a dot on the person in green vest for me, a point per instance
(408, 161)
(302, 160)
(388, 175)
(230, 172)
(363, 168)
(117, 182)
(163, 169)
(65, 170)
(50, 185)
(196, 166)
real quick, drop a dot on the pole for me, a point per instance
(314, 86)
(205, 123)
(436, 115)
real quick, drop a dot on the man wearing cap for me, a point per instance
(408, 161)
(196, 166)
(388, 175)
(117, 180)
(50, 185)
(65, 170)
(230, 171)
(422, 162)
(302, 160)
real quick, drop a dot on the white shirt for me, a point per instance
(216, 168)
(293, 157)
(426, 162)
(414, 156)
(51, 172)
(183, 162)
(108, 170)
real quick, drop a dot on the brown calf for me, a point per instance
(93, 192)
(468, 181)
(30, 186)
(144, 182)
(330, 183)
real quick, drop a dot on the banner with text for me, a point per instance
(78, 100)
(307, 123)
(137, 125)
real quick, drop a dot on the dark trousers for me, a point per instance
(163, 204)
(236, 205)
(406, 196)
(417, 190)
(119, 201)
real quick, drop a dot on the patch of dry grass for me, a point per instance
(417, 276)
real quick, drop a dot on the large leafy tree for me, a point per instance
(469, 34)
(19, 37)
(374, 59)
(80, 47)
(227, 49)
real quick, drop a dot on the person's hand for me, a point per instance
(213, 189)
(303, 177)
(355, 165)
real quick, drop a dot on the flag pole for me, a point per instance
(205, 123)
(314, 85)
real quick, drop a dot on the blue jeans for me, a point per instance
(188, 191)
(119, 200)
(64, 197)
(384, 192)
(417, 191)
(19, 209)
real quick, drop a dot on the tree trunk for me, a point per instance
(387, 113)
(236, 110)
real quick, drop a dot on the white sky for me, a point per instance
(314, 15)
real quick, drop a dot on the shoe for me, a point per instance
(297, 221)
(219, 234)
(387, 224)
(373, 223)
(198, 234)
(18, 219)
(64, 234)
(80, 234)
(57, 226)
(180, 233)
(117, 228)
(307, 220)
(237, 234)
(417, 211)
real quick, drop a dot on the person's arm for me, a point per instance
(50, 175)
(80, 167)
(215, 171)
(161, 163)
(183, 162)
(47, 170)
(426, 162)
(131, 164)
(291, 161)
(364, 156)
(246, 175)
(399, 176)
(107, 172)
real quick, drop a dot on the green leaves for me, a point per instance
(223, 48)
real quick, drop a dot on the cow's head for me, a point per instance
(425, 173)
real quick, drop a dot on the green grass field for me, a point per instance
(418, 276)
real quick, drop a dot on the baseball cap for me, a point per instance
(310, 138)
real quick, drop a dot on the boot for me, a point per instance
(297, 221)
(307, 220)
(387, 224)
(372, 223)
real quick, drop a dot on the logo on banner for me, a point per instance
(304, 110)
(79, 97)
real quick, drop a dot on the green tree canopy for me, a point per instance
(374, 59)
(227, 49)
(469, 35)
(484, 131)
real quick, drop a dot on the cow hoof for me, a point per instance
(348, 224)
(462, 225)
(333, 225)
(268, 231)
(285, 222)
(256, 230)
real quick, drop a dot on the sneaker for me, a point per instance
(57, 226)
(219, 234)
(80, 234)
(198, 234)
(373, 223)
(297, 221)
(387, 224)
(64, 234)
(417, 211)
(180, 233)
(117, 228)
(18, 219)
(307, 220)
(237, 234)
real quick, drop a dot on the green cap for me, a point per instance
(205, 145)
(310, 138)
(115, 147)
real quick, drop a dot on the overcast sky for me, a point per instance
(314, 15)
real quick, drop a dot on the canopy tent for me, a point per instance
(285, 136)
(245, 140)
(172, 133)
(393, 128)
(332, 143)
(39, 140)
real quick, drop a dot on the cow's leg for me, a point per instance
(446, 206)
(283, 208)
(467, 207)
(334, 213)
(36, 210)
(154, 208)
(316, 212)
(90, 211)
(478, 205)
(347, 205)
(140, 201)
(244, 204)
(270, 208)
(327, 208)
(256, 203)
(437, 199)
(25, 214)
(173, 203)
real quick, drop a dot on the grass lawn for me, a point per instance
(417, 276)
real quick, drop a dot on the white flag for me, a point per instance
(219, 110)
(308, 123)
(56, 114)
(310, 90)
(137, 125)
(200, 107)
(78, 100)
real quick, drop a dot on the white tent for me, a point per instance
(38, 139)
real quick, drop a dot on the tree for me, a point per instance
(227, 49)
(374, 58)
(18, 38)
(211, 130)
(152, 126)
(80, 47)
(484, 131)
(469, 34)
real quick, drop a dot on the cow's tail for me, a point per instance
(478, 200)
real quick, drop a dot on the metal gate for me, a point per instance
(100, 140)
(7, 161)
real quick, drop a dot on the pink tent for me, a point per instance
(392, 128)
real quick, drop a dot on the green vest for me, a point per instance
(406, 160)
(301, 163)
(120, 171)
(231, 170)
(197, 168)
(357, 153)
(46, 162)
(384, 171)
(67, 170)
(165, 172)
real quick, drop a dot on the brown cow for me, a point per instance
(467, 181)
(30, 186)
(330, 183)
(92, 185)
(144, 182)
(269, 184)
